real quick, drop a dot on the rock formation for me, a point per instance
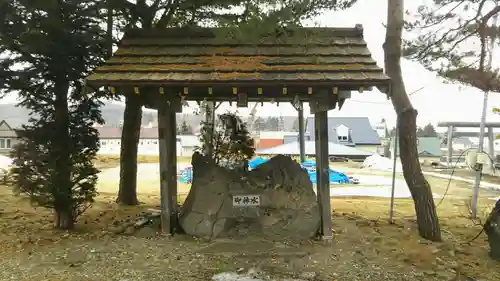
(288, 208)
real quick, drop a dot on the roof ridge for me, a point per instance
(212, 32)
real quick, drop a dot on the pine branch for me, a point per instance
(443, 49)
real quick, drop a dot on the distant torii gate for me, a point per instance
(451, 125)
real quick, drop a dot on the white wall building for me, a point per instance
(110, 139)
(381, 129)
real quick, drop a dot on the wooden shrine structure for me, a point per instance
(165, 67)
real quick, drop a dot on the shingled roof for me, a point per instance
(180, 56)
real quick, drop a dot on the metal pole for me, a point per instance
(449, 146)
(301, 134)
(479, 167)
(477, 182)
(395, 149)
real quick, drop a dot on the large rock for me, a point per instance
(288, 208)
(492, 229)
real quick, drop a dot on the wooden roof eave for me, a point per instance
(382, 85)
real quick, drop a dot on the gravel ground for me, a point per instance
(138, 259)
(351, 257)
(114, 259)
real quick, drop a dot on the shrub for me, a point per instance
(232, 144)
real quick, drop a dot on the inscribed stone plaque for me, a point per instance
(246, 200)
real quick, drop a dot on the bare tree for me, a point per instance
(427, 219)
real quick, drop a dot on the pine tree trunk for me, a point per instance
(63, 219)
(63, 197)
(61, 150)
(132, 116)
(427, 219)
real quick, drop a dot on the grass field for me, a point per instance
(111, 161)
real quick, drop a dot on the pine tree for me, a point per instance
(425, 209)
(185, 128)
(446, 32)
(52, 45)
(429, 131)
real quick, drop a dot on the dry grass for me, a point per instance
(360, 225)
(111, 161)
(457, 251)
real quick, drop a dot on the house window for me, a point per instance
(342, 133)
(5, 143)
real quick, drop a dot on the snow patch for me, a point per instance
(381, 163)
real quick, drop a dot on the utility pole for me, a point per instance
(394, 166)
(480, 148)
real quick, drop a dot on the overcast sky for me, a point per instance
(436, 102)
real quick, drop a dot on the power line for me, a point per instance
(385, 103)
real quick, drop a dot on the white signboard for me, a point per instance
(246, 200)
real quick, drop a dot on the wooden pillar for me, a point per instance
(450, 146)
(322, 173)
(491, 143)
(168, 167)
(210, 119)
(301, 135)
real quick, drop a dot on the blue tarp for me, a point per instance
(335, 176)
(256, 162)
(309, 165)
(186, 175)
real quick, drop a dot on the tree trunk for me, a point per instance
(492, 230)
(61, 148)
(63, 219)
(132, 116)
(427, 219)
(109, 28)
(63, 197)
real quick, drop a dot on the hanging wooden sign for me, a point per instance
(242, 100)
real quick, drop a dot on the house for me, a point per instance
(381, 129)
(8, 137)
(267, 139)
(429, 148)
(349, 131)
(463, 143)
(294, 137)
(110, 139)
(334, 149)
(188, 144)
